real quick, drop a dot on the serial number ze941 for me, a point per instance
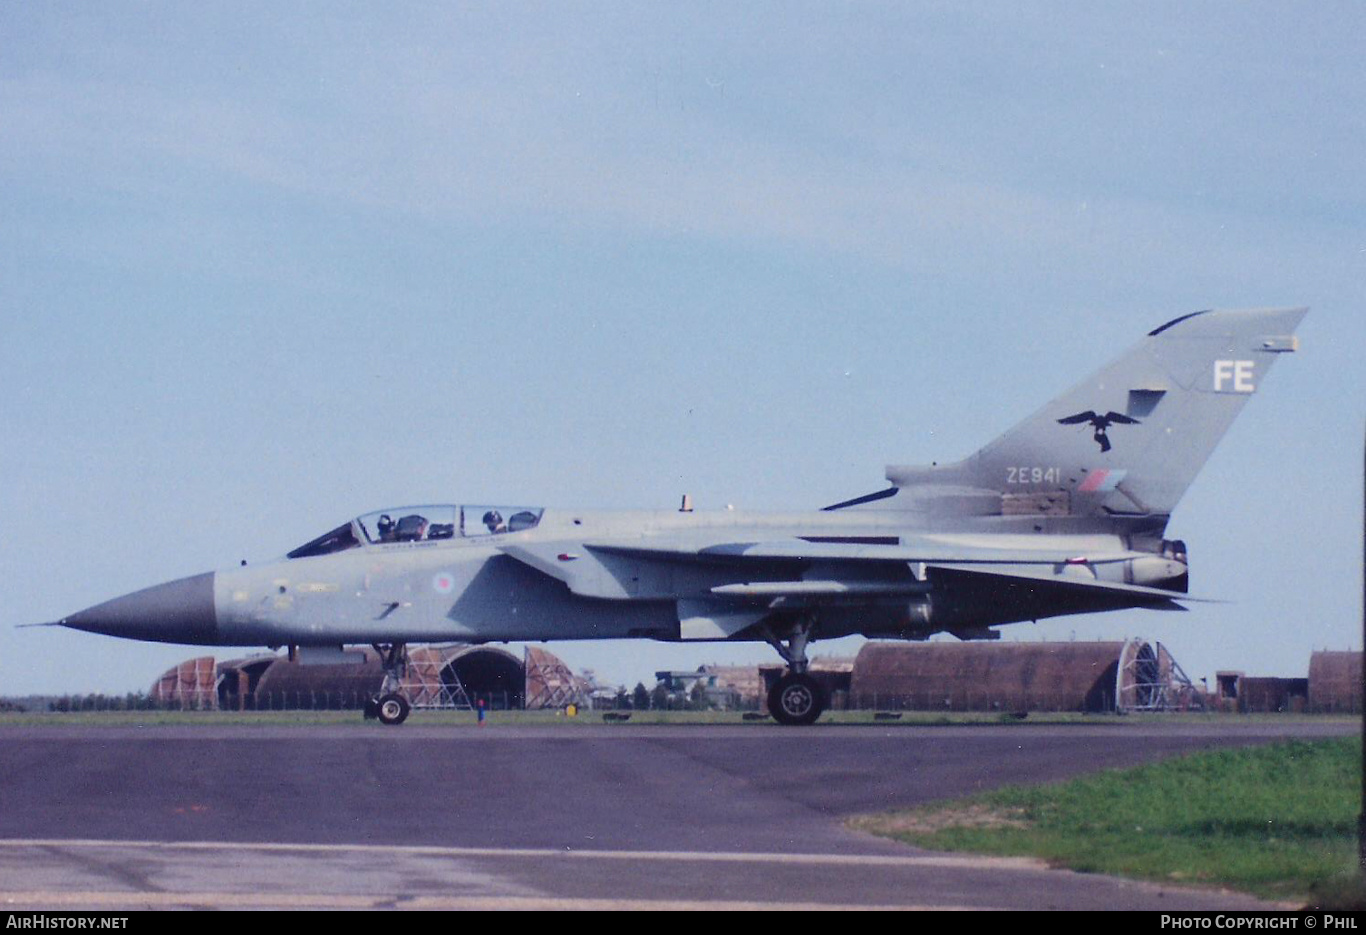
(1033, 475)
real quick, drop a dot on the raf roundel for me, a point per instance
(443, 583)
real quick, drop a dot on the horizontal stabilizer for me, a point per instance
(1109, 594)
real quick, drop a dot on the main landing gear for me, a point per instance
(389, 706)
(796, 698)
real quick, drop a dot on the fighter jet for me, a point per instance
(1039, 523)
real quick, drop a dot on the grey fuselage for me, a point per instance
(474, 590)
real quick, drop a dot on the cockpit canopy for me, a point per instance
(422, 524)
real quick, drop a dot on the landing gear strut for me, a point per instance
(390, 706)
(796, 698)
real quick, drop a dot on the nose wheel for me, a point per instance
(391, 707)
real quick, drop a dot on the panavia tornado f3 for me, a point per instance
(1065, 513)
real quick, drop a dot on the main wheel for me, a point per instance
(393, 709)
(797, 698)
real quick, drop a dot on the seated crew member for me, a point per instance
(386, 526)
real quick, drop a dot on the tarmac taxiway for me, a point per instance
(561, 817)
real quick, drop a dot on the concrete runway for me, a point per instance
(561, 817)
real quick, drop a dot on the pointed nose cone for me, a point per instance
(175, 612)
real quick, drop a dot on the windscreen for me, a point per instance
(339, 539)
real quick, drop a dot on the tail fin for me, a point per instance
(1129, 439)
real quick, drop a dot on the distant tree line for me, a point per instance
(133, 701)
(661, 699)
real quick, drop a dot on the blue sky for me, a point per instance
(264, 267)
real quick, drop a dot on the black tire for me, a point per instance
(371, 709)
(796, 699)
(393, 709)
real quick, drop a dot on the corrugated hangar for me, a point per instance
(1333, 687)
(452, 676)
(1335, 682)
(1133, 675)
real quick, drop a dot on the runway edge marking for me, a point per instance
(851, 860)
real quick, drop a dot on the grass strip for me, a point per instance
(1279, 821)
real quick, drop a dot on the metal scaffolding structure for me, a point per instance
(549, 682)
(430, 682)
(191, 686)
(1150, 679)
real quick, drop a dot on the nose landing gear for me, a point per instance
(390, 707)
